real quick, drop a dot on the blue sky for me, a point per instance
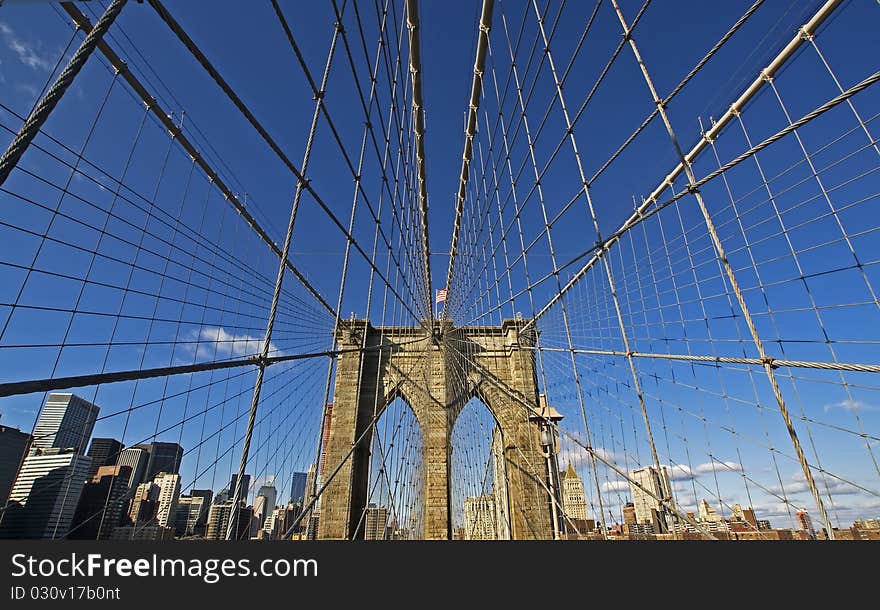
(674, 297)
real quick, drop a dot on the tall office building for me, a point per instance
(104, 452)
(573, 499)
(45, 494)
(191, 514)
(297, 487)
(245, 487)
(169, 492)
(13, 446)
(144, 503)
(288, 516)
(479, 518)
(499, 486)
(376, 523)
(648, 509)
(164, 457)
(273, 523)
(629, 514)
(66, 421)
(102, 504)
(805, 523)
(264, 504)
(218, 521)
(202, 522)
(135, 458)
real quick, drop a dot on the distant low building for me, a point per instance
(867, 529)
(767, 534)
(805, 523)
(142, 533)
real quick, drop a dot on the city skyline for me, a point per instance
(158, 509)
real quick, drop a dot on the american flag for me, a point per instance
(441, 296)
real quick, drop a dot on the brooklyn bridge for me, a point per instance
(390, 269)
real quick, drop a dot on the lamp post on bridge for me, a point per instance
(547, 417)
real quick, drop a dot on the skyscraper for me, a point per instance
(45, 494)
(102, 504)
(479, 518)
(144, 503)
(273, 523)
(245, 487)
(218, 521)
(13, 445)
(648, 509)
(66, 421)
(573, 495)
(376, 523)
(191, 514)
(264, 504)
(169, 492)
(297, 487)
(135, 458)
(164, 457)
(104, 452)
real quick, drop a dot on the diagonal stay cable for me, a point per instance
(83, 22)
(191, 46)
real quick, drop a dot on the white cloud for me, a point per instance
(680, 472)
(609, 456)
(578, 456)
(825, 484)
(30, 55)
(718, 467)
(849, 405)
(615, 486)
(215, 342)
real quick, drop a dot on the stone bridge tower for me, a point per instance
(436, 376)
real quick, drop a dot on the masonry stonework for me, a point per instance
(436, 375)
